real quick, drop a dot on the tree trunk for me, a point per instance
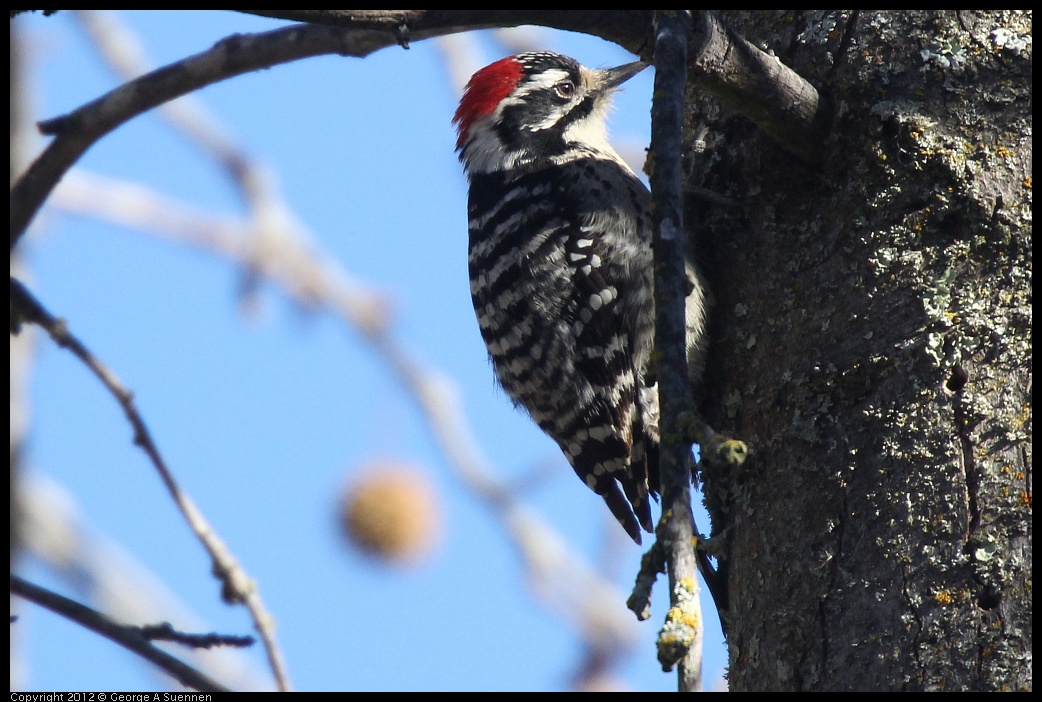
(871, 344)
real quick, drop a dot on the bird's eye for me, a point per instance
(564, 89)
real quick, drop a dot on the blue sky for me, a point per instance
(264, 414)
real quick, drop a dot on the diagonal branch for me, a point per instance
(630, 29)
(129, 637)
(237, 586)
(241, 53)
(759, 86)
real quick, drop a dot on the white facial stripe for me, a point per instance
(541, 81)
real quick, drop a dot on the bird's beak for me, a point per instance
(613, 77)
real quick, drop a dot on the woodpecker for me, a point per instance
(561, 269)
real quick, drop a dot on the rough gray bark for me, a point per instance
(871, 343)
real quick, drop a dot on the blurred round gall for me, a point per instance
(390, 512)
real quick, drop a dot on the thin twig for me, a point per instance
(652, 563)
(165, 631)
(237, 586)
(129, 637)
(680, 641)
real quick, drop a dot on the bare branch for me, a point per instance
(680, 640)
(630, 29)
(57, 533)
(237, 586)
(758, 86)
(129, 637)
(165, 631)
(235, 55)
(269, 214)
(652, 563)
